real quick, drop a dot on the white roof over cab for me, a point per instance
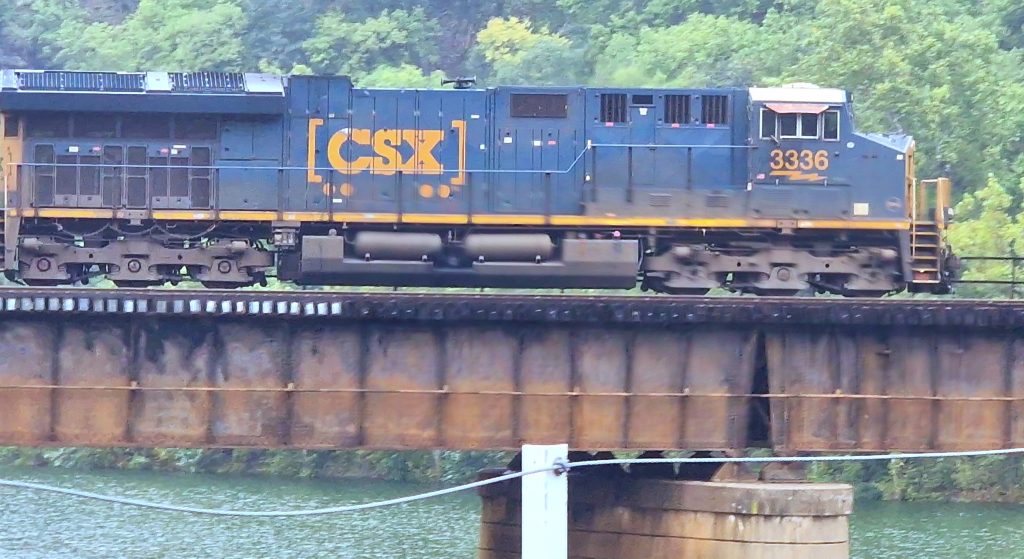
(798, 93)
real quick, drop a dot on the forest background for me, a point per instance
(949, 72)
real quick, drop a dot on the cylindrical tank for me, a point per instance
(520, 247)
(387, 245)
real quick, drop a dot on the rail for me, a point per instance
(503, 307)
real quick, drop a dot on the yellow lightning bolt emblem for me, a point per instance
(799, 176)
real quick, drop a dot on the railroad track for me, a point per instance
(513, 308)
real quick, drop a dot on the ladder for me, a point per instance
(929, 200)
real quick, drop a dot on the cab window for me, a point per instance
(10, 126)
(789, 125)
(798, 125)
(830, 125)
(809, 126)
(769, 124)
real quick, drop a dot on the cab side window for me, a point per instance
(830, 125)
(805, 126)
(789, 125)
(769, 124)
(10, 126)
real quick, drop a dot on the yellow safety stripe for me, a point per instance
(452, 219)
(464, 219)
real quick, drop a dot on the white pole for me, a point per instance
(545, 504)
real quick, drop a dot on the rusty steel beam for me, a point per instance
(336, 370)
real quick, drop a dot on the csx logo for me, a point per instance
(383, 152)
(386, 145)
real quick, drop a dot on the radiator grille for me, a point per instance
(80, 81)
(208, 82)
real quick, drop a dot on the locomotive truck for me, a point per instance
(146, 178)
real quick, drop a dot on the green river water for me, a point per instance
(41, 525)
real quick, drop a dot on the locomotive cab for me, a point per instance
(805, 145)
(807, 151)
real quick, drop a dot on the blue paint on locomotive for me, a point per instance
(319, 144)
(686, 153)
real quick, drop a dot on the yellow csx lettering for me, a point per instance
(387, 159)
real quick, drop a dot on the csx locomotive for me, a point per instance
(153, 177)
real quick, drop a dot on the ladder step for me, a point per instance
(925, 270)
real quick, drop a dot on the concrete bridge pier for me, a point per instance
(622, 517)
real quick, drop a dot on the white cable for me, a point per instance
(306, 512)
(829, 458)
(506, 477)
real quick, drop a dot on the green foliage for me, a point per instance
(703, 51)
(989, 223)
(340, 45)
(517, 52)
(448, 466)
(160, 34)
(27, 37)
(991, 478)
(405, 75)
(918, 67)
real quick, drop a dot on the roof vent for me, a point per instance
(80, 81)
(207, 82)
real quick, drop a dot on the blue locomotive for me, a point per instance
(154, 177)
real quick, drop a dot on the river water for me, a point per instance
(48, 526)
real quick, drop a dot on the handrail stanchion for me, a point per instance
(545, 523)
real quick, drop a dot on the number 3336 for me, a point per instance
(805, 160)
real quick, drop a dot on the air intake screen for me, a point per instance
(715, 109)
(208, 82)
(613, 107)
(80, 81)
(677, 109)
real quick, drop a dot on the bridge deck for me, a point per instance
(384, 370)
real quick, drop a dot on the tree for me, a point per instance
(160, 34)
(275, 31)
(922, 67)
(340, 45)
(515, 53)
(703, 51)
(27, 37)
(988, 224)
(406, 75)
